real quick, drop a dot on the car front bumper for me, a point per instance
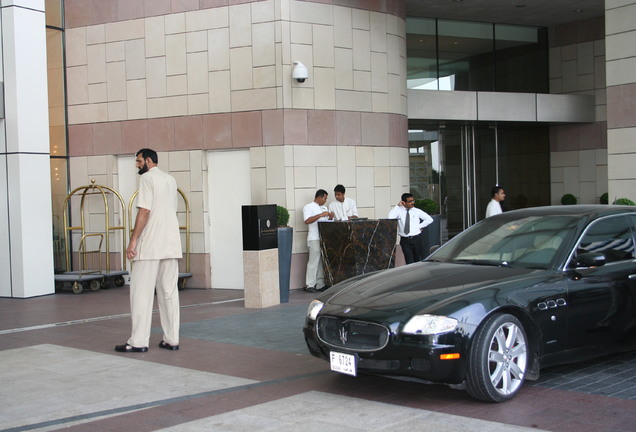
(411, 356)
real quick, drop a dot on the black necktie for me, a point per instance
(407, 223)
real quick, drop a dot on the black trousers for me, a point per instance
(412, 248)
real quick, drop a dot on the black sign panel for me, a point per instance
(260, 227)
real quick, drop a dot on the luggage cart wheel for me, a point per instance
(120, 281)
(105, 284)
(77, 287)
(181, 284)
(94, 285)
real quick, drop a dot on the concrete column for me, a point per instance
(26, 259)
(620, 45)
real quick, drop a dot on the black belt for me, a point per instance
(410, 237)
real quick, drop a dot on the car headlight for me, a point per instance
(314, 307)
(429, 325)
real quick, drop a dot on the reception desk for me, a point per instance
(356, 247)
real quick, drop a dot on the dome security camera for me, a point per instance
(300, 72)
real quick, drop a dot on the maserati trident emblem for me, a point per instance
(343, 335)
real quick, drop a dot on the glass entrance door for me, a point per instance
(471, 170)
(457, 164)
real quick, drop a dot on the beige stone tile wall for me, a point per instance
(578, 158)
(621, 98)
(236, 58)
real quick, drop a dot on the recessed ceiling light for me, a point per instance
(578, 10)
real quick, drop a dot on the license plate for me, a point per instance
(343, 363)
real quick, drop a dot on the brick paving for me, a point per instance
(613, 376)
(240, 369)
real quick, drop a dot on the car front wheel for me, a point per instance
(498, 359)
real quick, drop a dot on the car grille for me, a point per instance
(352, 334)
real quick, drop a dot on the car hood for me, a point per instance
(419, 285)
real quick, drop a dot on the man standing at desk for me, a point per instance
(312, 213)
(411, 221)
(343, 208)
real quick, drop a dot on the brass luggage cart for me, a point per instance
(91, 274)
(185, 275)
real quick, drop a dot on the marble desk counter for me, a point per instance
(356, 247)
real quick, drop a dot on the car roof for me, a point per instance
(591, 211)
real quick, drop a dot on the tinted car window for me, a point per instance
(612, 237)
(530, 242)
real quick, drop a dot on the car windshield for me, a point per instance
(529, 242)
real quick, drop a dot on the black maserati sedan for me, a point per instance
(513, 294)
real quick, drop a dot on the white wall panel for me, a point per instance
(5, 256)
(229, 189)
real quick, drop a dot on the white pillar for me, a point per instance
(25, 185)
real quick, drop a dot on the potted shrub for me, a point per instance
(428, 205)
(568, 199)
(624, 201)
(431, 235)
(604, 198)
(285, 239)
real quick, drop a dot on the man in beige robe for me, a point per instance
(154, 248)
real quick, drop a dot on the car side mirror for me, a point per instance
(590, 259)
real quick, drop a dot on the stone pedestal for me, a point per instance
(260, 275)
(356, 247)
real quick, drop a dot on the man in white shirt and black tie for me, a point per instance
(411, 222)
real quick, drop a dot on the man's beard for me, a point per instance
(143, 169)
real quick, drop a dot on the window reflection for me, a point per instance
(57, 124)
(461, 55)
(466, 54)
(57, 114)
(422, 54)
(59, 191)
(521, 59)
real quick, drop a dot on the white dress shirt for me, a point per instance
(313, 209)
(419, 220)
(493, 208)
(343, 210)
